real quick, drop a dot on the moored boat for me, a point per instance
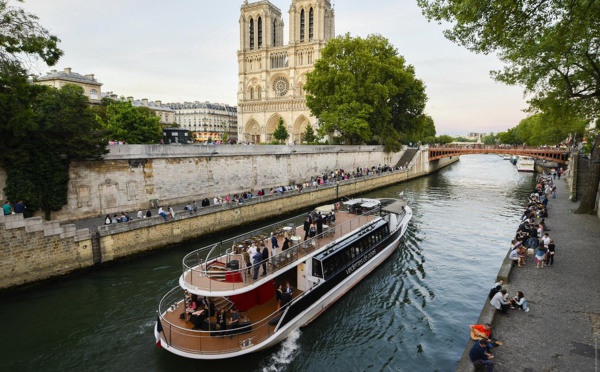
(525, 164)
(314, 274)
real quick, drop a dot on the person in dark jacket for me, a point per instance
(265, 257)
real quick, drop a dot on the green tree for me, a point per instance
(309, 134)
(134, 125)
(22, 37)
(549, 47)
(281, 134)
(362, 90)
(489, 140)
(63, 129)
(508, 138)
(444, 139)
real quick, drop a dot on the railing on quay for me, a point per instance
(196, 269)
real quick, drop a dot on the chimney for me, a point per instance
(158, 103)
(68, 70)
(90, 76)
(53, 71)
(145, 101)
(130, 99)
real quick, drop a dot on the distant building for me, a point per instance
(175, 135)
(163, 111)
(272, 75)
(476, 136)
(57, 79)
(207, 121)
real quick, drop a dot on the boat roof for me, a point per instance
(365, 203)
(325, 208)
(396, 207)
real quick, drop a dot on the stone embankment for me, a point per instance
(561, 332)
(34, 250)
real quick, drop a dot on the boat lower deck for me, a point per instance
(254, 328)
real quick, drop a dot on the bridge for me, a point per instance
(549, 154)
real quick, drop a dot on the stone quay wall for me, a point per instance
(33, 250)
(133, 177)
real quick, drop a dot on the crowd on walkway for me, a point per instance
(532, 241)
(320, 180)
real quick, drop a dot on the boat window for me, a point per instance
(317, 269)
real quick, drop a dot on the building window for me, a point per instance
(259, 32)
(251, 33)
(274, 34)
(311, 24)
(258, 93)
(302, 25)
(93, 94)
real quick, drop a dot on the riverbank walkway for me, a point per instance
(561, 332)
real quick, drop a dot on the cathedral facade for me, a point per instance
(272, 75)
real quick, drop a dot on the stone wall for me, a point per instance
(131, 176)
(32, 250)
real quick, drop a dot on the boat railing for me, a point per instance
(198, 274)
(215, 341)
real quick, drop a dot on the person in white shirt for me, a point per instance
(500, 303)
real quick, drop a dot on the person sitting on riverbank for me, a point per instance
(480, 356)
(519, 302)
(500, 303)
(162, 213)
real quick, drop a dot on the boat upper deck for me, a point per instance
(224, 270)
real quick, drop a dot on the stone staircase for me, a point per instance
(408, 155)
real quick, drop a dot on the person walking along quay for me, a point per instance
(561, 331)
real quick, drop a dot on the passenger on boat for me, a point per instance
(331, 218)
(319, 224)
(256, 259)
(274, 244)
(307, 227)
(265, 258)
(286, 242)
(234, 320)
(198, 316)
(222, 319)
(279, 295)
(246, 257)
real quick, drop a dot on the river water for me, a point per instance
(411, 314)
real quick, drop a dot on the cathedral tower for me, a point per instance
(271, 74)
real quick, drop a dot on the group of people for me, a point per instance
(313, 223)
(199, 311)
(256, 257)
(531, 236)
(18, 207)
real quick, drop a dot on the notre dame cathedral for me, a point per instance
(271, 74)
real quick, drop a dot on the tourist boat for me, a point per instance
(506, 157)
(525, 164)
(320, 270)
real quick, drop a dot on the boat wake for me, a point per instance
(280, 360)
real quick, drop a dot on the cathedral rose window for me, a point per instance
(280, 86)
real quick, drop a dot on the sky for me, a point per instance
(186, 50)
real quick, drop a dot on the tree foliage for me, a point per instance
(550, 47)
(22, 38)
(362, 90)
(309, 134)
(281, 134)
(134, 125)
(58, 127)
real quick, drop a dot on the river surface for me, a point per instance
(411, 314)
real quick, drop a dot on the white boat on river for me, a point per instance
(525, 164)
(236, 312)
